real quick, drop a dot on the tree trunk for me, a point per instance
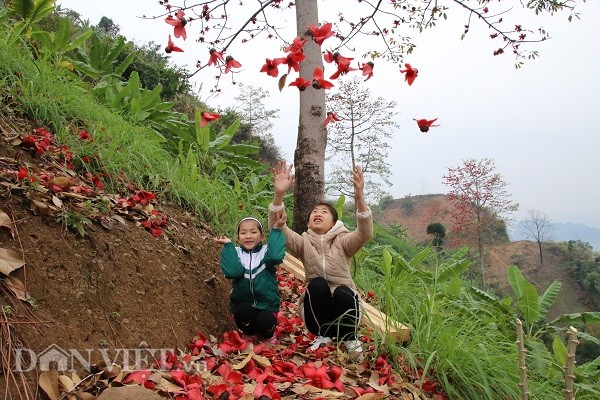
(541, 256)
(309, 157)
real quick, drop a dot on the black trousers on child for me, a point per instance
(332, 315)
(253, 321)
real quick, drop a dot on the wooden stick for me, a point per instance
(570, 366)
(522, 364)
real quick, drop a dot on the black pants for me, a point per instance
(332, 315)
(253, 321)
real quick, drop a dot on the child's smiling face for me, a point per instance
(321, 220)
(249, 234)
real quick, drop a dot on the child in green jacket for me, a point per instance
(251, 266)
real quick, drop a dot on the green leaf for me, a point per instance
(454, 287)
(79, 40)
(547, 299)
(120, 70)
(560, 351)
(339, 206)
(516, 280)
(528, 304)
(387, 262)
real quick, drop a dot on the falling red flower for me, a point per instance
(215, 56)
(367, 69)
(270, 67)
(178, 23)
(319, 81)
(425, 124)
(331, 117)
(171, 47)
(371, 294)
(410, 74)
(207, 117)
(230, 62)
(320, 33)
(301, 83)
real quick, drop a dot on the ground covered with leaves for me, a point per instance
(92, 271)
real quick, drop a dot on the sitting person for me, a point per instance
(251, 266)
(330, 307)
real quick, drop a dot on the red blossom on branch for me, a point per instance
(270, 67)
(343, 63)
(296, 45)
(320, 33)
(214, 58)
(319, 81)
(292, 60)
(178, 23)
(301, 83)
(230, 62)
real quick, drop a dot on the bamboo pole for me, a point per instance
(522, 364)
(572, 343)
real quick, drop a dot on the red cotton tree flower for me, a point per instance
(301, 83)
(367, 69)
(320, 33)
(425, 124)
(230, 62)
(207, 117)
(319, 81)
(410, 74)
(270, 67)
(179, 23)
(331, 117)
(214, 58)
(171, 47)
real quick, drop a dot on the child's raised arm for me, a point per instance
(358, 180)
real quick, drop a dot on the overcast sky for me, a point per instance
(540, 124)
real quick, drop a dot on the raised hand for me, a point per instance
(283, 177)
(358, 181)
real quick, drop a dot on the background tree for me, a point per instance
(359, 138)
(538, 227)
(438, 231)
(480, 199)
(250, 105)
(215, 29)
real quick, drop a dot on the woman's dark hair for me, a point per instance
(330, 208)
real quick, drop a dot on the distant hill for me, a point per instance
(563, 232)
(414, 213)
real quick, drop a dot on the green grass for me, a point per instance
(123, 151)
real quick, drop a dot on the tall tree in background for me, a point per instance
(359, 138)
(215, 27)
(538, 227)
(480, 198)
(250, 105)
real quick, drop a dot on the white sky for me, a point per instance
(540, 124)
